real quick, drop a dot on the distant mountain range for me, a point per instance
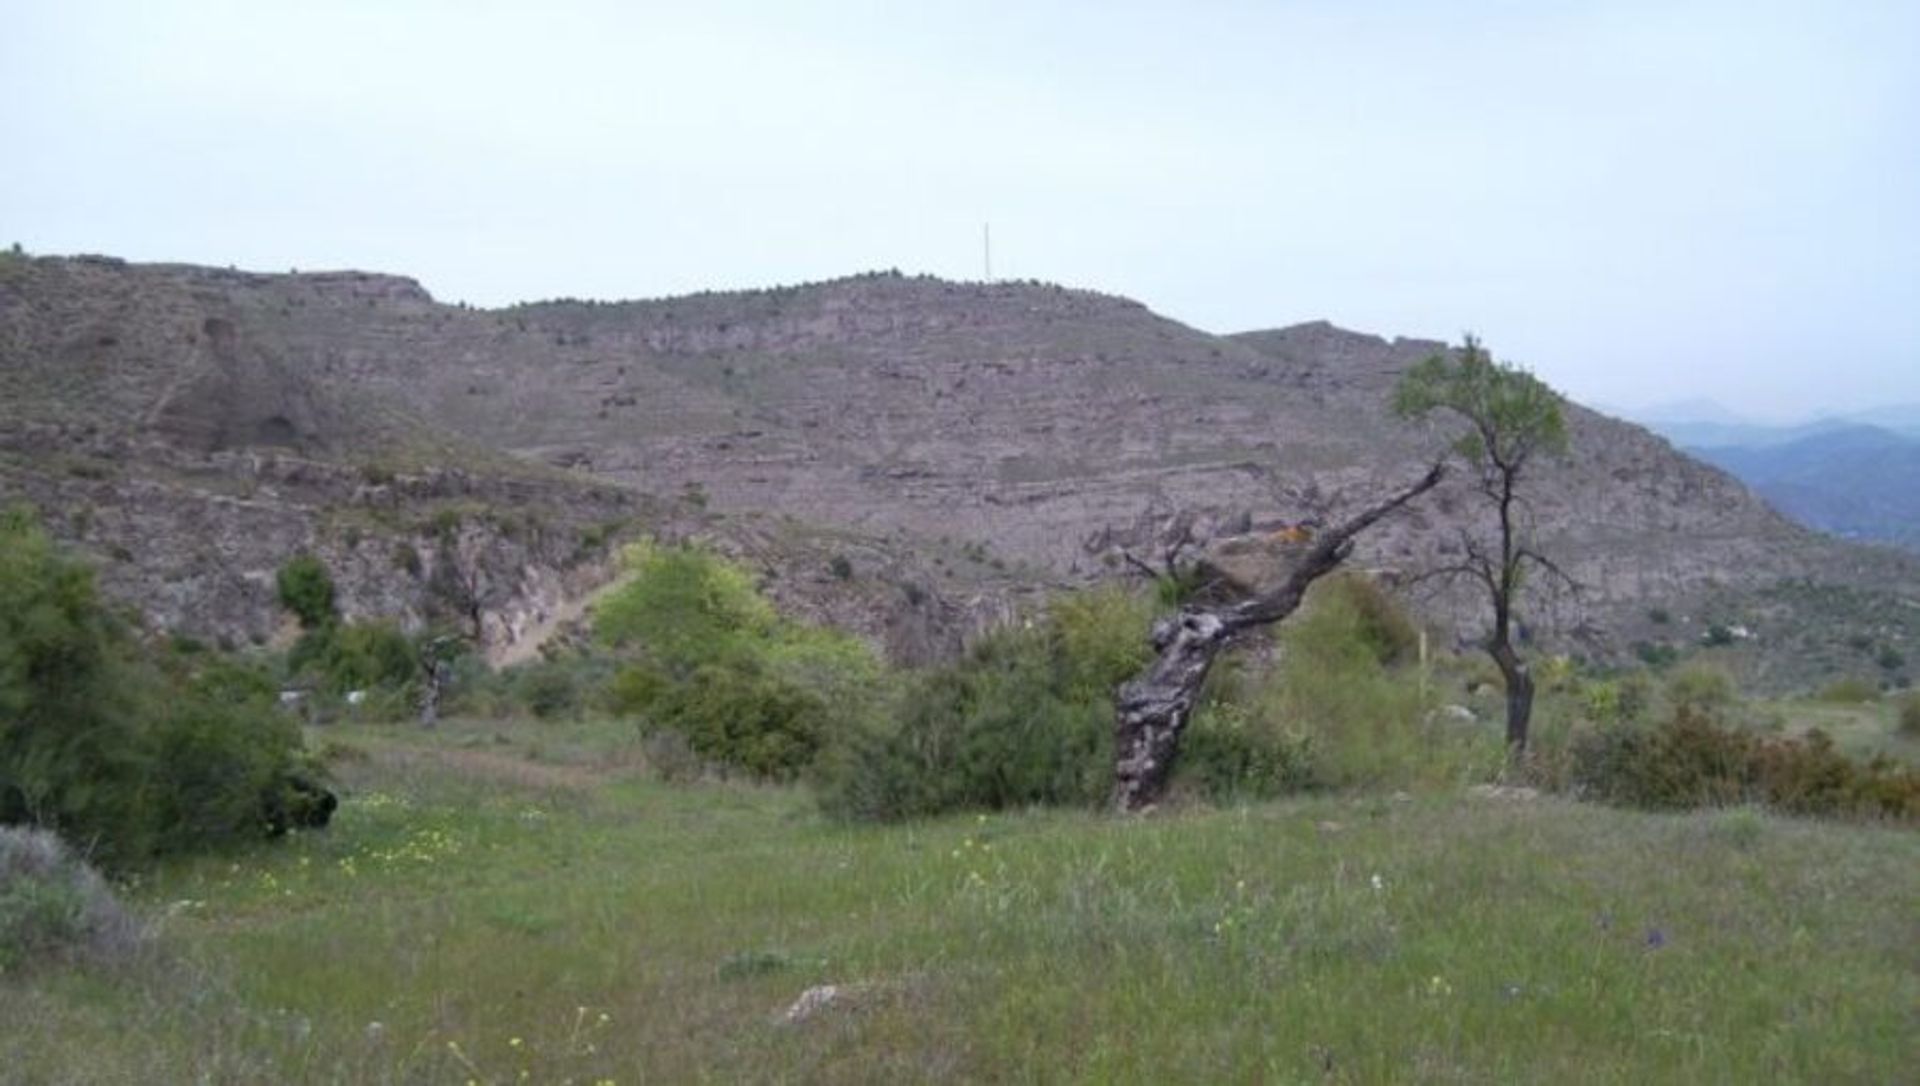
(1855, 475)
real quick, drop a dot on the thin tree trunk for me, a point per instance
(1152, 710)
(1519, 681)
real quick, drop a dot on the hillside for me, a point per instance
(1018, 427)
(1861, 482)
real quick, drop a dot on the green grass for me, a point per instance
(488, 893)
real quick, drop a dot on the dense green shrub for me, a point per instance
(708, 658)
(53, 907)
(122, 750)
(1691, 761)
(1231, 755)
(306, 589)
(224, 763)
(366, 655)
(1025, 718)
(684, 607)
(738, 716)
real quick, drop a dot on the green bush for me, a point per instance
(1702, 688)
(1623, 699)
(53, 907)
(1024, 718)
(128, 753)
(70, 741)
(740, 717)
(368, 655)
(684, 607)
(223, 766)
(1229, 755)
(306, 589)
(1335, 711)
(1693, 761)
(1657, 655)
(1370, 615)
(708, 658)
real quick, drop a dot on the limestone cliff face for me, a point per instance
(1006, 434)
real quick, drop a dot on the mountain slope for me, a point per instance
(1019, 426)
(1861, 482)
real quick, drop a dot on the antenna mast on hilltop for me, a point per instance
(986, 247)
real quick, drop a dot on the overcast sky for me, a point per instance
(1642, 202)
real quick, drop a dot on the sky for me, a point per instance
(1641, 202)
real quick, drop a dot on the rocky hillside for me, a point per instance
(975, 431)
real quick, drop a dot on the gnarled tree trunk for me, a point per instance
(1152, 710)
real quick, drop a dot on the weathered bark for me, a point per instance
(1152, 710)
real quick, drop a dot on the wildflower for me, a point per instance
(1438, 986)
(1379, 884)
(513, 1042)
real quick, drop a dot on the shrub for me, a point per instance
(1702, 688)
(1024, 718)
(1230, 756)
(1621, 700)
(1850, 690)
(710, 659)
(1692, 761)
(366, 655)
(1909, 716)
(683, 607)
(991, 731)
(1656, 654)
(69, 741)
(306, 589)
(743, 718)
(53, 907)
(1377, 620)
(1334, 712)
(130, 755)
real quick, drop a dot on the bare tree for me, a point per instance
(1152, 710)
(1512, 419)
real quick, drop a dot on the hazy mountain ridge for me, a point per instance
(1861, 482)
(1013, 422)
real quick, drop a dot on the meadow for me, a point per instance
(527, 902)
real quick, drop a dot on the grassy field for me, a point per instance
(507, 903)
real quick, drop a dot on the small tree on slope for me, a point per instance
(1513, 419)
